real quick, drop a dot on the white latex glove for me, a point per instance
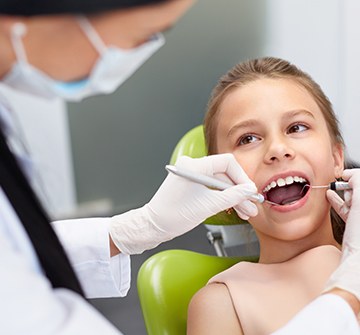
(347, 275)
(180, 205)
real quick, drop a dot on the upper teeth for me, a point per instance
(284, 181)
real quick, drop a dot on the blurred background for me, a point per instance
(106, 155)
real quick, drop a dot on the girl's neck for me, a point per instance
(273, 250)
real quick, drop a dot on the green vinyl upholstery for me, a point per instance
(168, 280)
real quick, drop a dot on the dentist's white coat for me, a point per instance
(28, 303)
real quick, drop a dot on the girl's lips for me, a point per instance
(291, 207)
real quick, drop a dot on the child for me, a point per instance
(282, 130)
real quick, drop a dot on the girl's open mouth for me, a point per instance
(286, 191)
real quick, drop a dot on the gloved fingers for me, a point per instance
(185, 162)
(240, 195)
(241, 214)
(348, 197)
(246, 189)
(236, 197)
(351, 174)
(203, 165)
(338, 204)
(353, 177)
(224, 178)
(246, 209)
(227, 164)
(215, 165)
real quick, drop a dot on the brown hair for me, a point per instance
(273, 68)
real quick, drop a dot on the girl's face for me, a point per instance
(279, 136)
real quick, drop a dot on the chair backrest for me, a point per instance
(168, 280)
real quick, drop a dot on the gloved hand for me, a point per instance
(180, 205)
(347, 275)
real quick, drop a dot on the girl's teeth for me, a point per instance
(289, 180)
(282, 182)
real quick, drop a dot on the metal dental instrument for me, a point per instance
(335, 186)
(209, 181)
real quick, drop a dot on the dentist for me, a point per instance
(74, 49)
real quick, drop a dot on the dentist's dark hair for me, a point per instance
(48, 7)
(272, 68)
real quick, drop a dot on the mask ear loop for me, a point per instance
(92, 34)
(18, 31)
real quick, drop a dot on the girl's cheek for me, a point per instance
(249, 169)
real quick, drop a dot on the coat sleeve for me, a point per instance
(86, 242)
(29, 305)
(328, 314)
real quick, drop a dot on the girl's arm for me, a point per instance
(211, 312)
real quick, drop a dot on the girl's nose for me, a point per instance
(279, 149)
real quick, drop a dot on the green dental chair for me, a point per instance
(168, 280)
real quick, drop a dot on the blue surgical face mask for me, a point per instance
(113, 67)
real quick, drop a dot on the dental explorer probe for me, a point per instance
(335, 186)
(209, 181)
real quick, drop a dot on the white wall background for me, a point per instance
(322, 37)
(350, 83)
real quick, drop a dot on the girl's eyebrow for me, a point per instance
(242, 124)
(297, 112)
(254, 122)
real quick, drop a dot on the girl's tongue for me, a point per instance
(286, 194)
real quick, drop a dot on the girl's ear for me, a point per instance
(338, 156)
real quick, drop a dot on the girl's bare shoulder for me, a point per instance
(210, 310)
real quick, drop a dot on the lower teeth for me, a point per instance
(288, 202)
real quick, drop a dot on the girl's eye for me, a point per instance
(247, 139)
(297, 128)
